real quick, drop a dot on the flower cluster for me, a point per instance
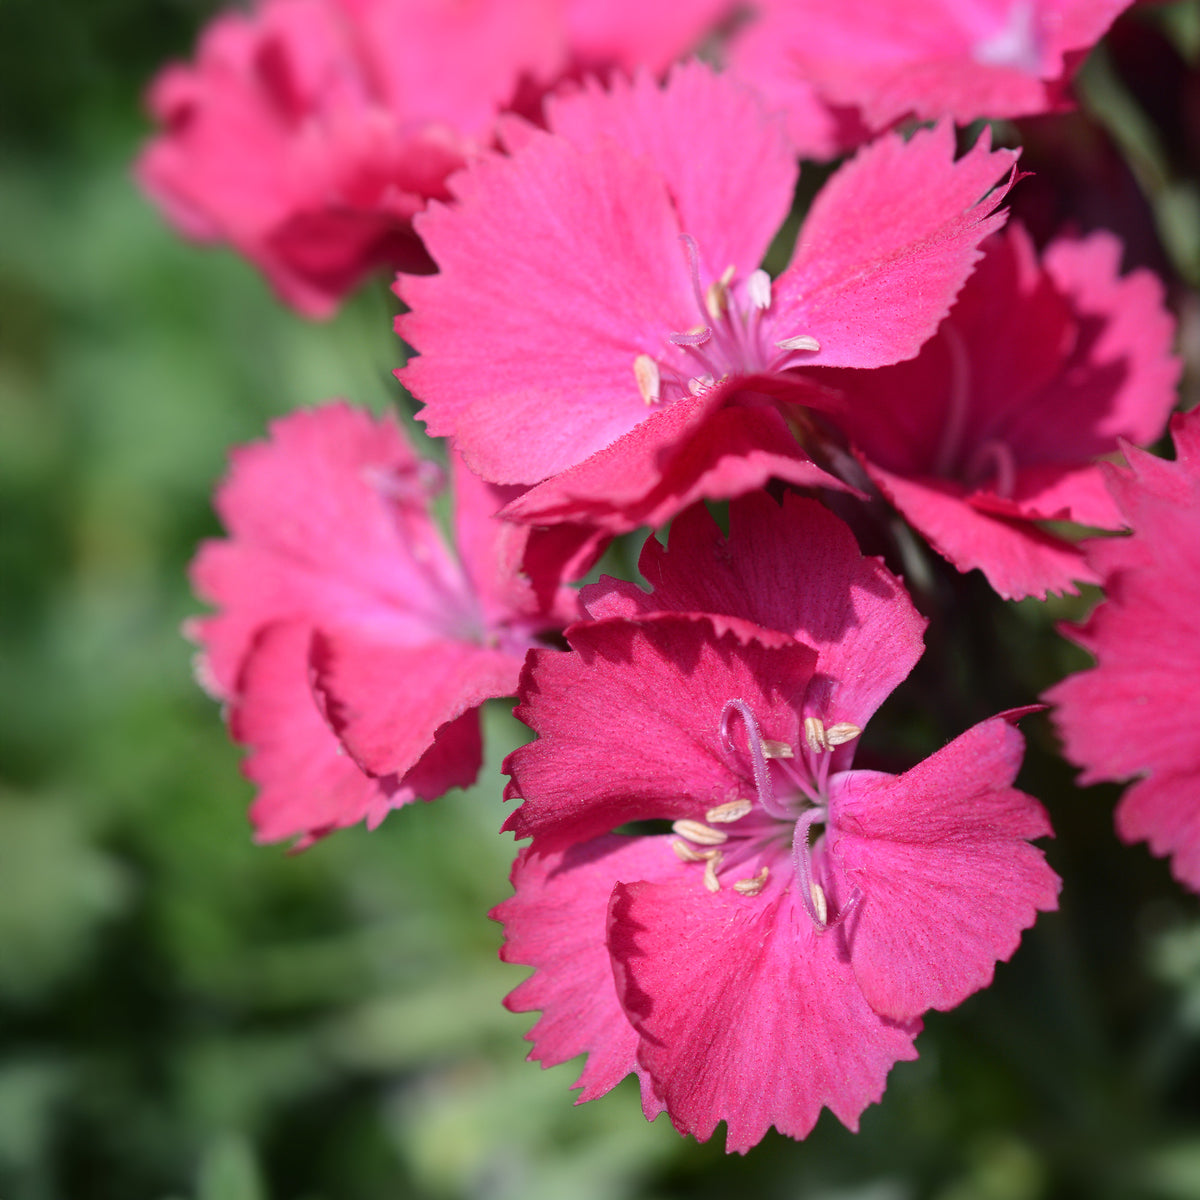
(611, 329)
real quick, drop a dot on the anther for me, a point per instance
(700, 384)
(689, 854)
(701, 834)
(649, 381)
(814, 734)
(820, 903)
(710, 872)
(723, 814)
(801, 342)
(777, 749)
(754, 885)
(841, 733)
(716, 298)
(758, 286)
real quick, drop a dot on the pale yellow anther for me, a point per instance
(710, 872)
(758, 286)
(700, 384)
(723, 814)
(820, 903)
(776, 749)
(649, 381)
(716, 299)
(754, 885)
(689, 854)
(815, 737)
(841, 733)
(698, 832)
(728, 274)
(801, 342)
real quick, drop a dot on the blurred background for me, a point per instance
(186, 1015)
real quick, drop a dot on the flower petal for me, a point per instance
(556, 923)
(746, 1013)
(946, 874)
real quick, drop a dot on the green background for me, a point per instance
(184, 1014)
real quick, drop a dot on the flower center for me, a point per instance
(790, 797)
(732, 337)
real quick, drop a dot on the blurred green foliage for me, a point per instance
(186, 1015)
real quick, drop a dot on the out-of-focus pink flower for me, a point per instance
(308, 133)
(775, 954)
(1132, 715)
(600, 325)
(351, 647)
(995, 426)
(882, 60)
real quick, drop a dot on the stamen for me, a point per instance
(689, 854)
(693, 256)
(696, 336)
(649, 380)
(700, 384)
(777, 749)
(801, 342)
(994, 456)
(814, 735)
(820, 903)
(758, 287)
(751, 887)
(810, 891)
(841, 733)
(758, 760)
(716, 300)
(723, 814)
(701, 834)
(710, 872)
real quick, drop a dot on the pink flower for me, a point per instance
(884, 60)
(1038, 369)
(352, 649)
(776, 954)
(600, 321)
(1132, 715)
(309, 132)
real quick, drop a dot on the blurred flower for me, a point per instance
(352, 648)
(762, 970)
(1130, 715)
(308, 133)
(842, 70)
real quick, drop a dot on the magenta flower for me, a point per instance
(600, 321)
(883, 60)
(1131, 714)
(775, 954)
(352, 649)
(309, 132)
(995, 426)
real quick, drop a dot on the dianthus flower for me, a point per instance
(352, 649)
(308, 133)
(1132, 715)
(883, 60)
(773, 953)
(1038, 369)
(600, 325)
